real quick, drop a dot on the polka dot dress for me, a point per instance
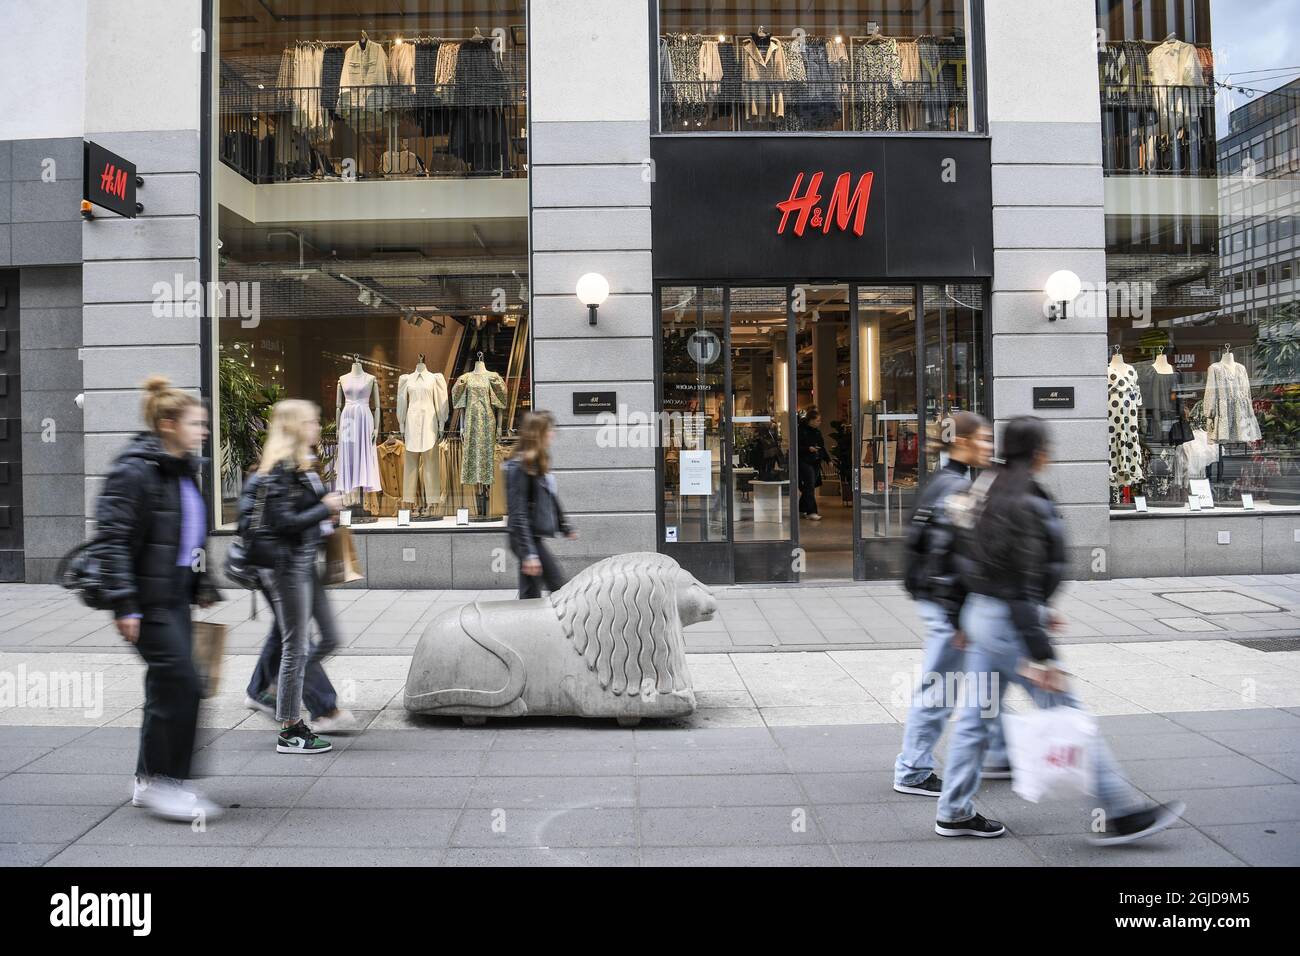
(1124, 398)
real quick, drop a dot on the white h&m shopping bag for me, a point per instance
(1050, 749)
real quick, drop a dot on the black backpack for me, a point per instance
(256, 544)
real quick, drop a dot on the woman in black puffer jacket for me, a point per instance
(1012, 558)
(152, 526)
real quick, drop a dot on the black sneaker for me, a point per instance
(1135, 826)
(299, 739)
(976, 826)
(931, 786)
(1001, 772)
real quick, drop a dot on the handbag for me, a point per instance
(341, 564)
(260, 544)
(238, 571)
(209, 640)
(81, 570)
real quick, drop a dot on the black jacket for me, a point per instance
(932, 573)
(138, 521)
(812, 447)
(1026, 575)
(533, 511)
(294, 509)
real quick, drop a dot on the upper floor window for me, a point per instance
(813, 66)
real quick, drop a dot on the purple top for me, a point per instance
(192, 522)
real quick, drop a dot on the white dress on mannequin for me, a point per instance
(357, 465)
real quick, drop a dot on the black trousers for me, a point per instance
(807, 488)
(171, 686)
(530, 586)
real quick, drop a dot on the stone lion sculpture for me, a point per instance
(607, 644)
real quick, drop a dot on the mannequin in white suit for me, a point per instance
(422, 412)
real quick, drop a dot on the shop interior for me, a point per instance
(792, 66)
(334, 90)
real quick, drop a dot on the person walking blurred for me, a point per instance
(301, 514)
(534, 507)
(934, 583)
(812, 452)
(318, 693)
(1012, 559)
(152, 522)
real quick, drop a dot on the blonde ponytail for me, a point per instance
(164, 403)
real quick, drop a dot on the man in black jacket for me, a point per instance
(934, 583)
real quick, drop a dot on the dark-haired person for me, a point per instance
(534, 507)
(1012, 561)
(812, 452)
(154, 527)
(934, 583)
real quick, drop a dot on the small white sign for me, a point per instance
(696, 473)
(670, 534)
(1247, 501)
(462, 516)
(345, 518)
(1193, 503)
(1140, 502)
(1200, 488)
(404, 517)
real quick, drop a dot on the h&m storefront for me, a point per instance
(845, 275)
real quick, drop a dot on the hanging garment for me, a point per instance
(365, 71)
(391, 453)
(479, 79)
(330, 71)
(877, 76)
(1175, 64)
(357, 465)
(910, 115)
(1160, 404)
(711, 69)
(422, 409)
(401, 67)
(478, 394)
(763, 77)
(1229, 412)
(1124, 398)
(796, 88)
(426, 73)
(284, 77)
(823, 92)
(445, 68)
(688, 96)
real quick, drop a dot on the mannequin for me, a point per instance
(480, 393)
(1161, 365)
(1160, 383)
(1229, 411)
(422, 412)
(356, 410)
(1123, 401)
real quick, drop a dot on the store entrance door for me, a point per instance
(754, 489)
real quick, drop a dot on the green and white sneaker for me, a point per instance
(299, 739)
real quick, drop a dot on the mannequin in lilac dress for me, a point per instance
(356, 467)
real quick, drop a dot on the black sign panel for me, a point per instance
(593, 403)
(108, 180)
(829, 207)
(1054, 396)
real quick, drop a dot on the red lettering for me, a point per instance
(119, 186)
(803, 205)
(106, 178)
(842, 205)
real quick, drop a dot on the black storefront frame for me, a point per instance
(716, 562)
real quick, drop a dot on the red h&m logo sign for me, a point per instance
(113, 181)
(844, 205)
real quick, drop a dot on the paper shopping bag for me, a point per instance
(341, 564)
(209, 640)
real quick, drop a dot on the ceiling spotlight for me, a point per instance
(364, 296)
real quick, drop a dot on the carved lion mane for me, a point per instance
(621, 615)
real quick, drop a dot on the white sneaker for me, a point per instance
(342, 722)
(172, 800)
(814, 517)
(137, 792)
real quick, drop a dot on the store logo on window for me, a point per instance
(845, 206)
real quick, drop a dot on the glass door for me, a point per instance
(888, 458)
(760, 437)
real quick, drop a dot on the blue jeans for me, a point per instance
(996, 651)
(318, 694)
(932, 702)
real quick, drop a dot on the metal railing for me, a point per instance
(688, 106)
(283, 134)
(1166, 130)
